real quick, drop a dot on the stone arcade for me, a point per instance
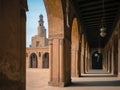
(73, 40)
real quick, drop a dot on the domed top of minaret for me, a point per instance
(41, 16)
(41, 20)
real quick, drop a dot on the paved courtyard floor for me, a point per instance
(37, 79)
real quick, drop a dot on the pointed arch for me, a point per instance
(33, 61)
(55, 17)
(45, 60)
(97, 60)
(75, 48)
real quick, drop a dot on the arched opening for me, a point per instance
(45, 61)
(13, 21)
(97, 60)
(74, 48)
(33, 61)
(36, 41)
(36, 8)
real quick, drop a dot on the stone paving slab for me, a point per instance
(37, 79)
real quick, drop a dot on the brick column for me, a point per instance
(61, 60)
(112, 60)
(89, 66)
(82, 55)
(108, 61)
(50, 57)
(86, 57)
(119, 50)
(58, 73)
(74, 57)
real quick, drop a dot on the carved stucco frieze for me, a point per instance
(56, 36)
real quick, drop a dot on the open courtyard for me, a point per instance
(37, 79)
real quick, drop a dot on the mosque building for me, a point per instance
(37, 55)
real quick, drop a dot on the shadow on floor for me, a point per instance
(96, 83)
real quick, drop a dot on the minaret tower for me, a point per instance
(40, 39)
(41, 22)
(41, 28)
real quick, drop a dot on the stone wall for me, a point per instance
(112, 50)
(12, 46)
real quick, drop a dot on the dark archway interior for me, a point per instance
(33, 60)
(97, 60)
(45, 60)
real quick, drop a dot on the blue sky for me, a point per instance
(36, 7)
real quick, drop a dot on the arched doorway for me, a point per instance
(33, 61)
(75, 49)
(45, 61)
(97, 60)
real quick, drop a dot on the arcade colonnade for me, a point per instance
(69, 51)
(73, 54)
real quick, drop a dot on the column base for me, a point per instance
(59, 84)
(118, 75)
(76, 75)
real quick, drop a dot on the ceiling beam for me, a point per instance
(99, 12)
(99, 20)
(98, 15)
(96, 19)
(98, 8)
(92, 27)
(92, 3)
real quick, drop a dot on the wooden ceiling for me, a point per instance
(90, 13)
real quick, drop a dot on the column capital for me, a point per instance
(50, 41)
(61, 41)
